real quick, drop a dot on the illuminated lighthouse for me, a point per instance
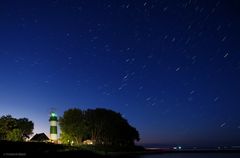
(53, 126)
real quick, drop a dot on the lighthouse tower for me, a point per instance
(53, 126)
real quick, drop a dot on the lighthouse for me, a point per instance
(53, 127)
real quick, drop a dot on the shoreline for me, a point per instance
(164, 150)
(149, 151)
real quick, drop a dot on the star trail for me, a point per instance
(171, 68)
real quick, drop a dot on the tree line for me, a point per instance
(101, 126)
(13, 129)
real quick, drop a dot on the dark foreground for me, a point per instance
(36, 149)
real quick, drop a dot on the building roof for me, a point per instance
(40, 137)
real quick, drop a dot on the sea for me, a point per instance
(191, 155)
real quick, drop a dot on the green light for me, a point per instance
(53, 117)
(53, 114)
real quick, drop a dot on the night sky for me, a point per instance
(171, 68)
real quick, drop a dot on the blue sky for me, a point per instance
(171, 68)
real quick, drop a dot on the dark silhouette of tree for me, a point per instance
(96, 124)
(15, 135)
(115, 129)
(102, 126)
(72, 125)
(15, 129)
(7, 124)
(25, 126)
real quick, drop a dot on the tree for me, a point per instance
(73, 124)
(114, 129)
(12, 128)
(96, 124)
(15, 135)
(7, 124)
(65, 138)
(25, 126)
(102, 126)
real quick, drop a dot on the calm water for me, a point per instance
(193, 155)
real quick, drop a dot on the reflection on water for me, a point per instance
(193, 155)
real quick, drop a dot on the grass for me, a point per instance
(39, 149)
